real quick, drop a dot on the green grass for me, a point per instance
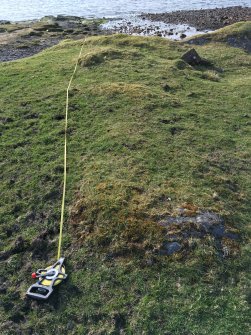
(133, 146)
(238, 35)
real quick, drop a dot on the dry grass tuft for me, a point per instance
(134, 90)
(211, 75)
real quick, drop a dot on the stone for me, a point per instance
(207, 220)
(183, 36)
(166, 87)
(171, 248)
(218, 231)
(191, 57)
(68, 18)
(4, 22)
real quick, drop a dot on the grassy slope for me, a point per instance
(124, 164)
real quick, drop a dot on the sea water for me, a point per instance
(18, 10)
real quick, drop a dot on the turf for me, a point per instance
(147, 134)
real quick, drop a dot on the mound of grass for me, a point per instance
(147, 135)
(103, 54)
(236, 35)
(238, 30)
(96, 58)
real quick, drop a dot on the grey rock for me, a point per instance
(4, 22)
(171, 248)
(218, 231)
(208, 219)
(68, 18)
(191, 57)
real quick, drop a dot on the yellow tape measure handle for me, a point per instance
(65, 154)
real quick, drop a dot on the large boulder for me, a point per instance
(191, 57)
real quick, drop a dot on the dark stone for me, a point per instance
(166, 87)
(218, 231)
(191, 57)
(171, 248)
(69, 31)
(175, 130)
(46, 27)
(4, 22)
(48, 18)
(183, 36)
(68, 18)
(36, 33)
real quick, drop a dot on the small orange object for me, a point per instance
(34, 275)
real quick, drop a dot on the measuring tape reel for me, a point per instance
(48, 278)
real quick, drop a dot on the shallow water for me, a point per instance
(134, 25)
(17, 10)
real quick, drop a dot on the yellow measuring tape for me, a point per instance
(65, 153)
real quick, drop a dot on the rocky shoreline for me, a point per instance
(23, 39)
(204, 18)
